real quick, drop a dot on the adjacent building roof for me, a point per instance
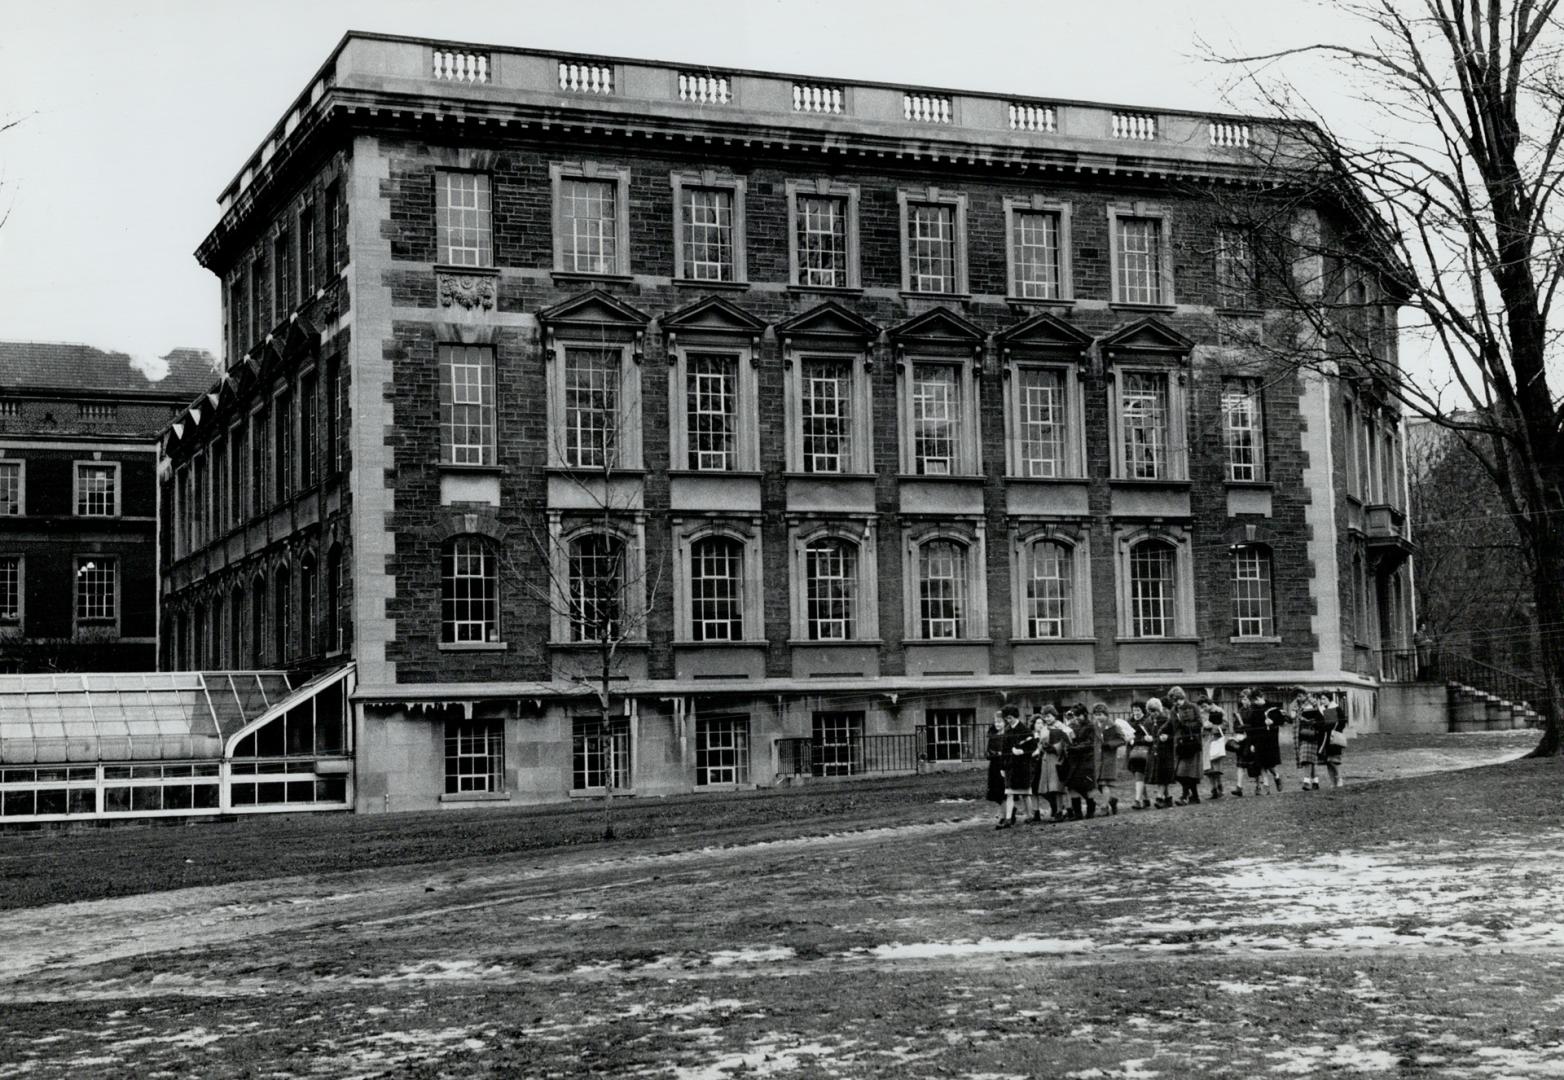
(78, 369)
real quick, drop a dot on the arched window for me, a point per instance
(236, 627)
(1253, 609)
(942, 589)
(595, 593)
(1153, 592)
(334, 598)
(1050, 589)
(309, 606)
(282, 616)
(717, 589)
(258, 623)
(831, 589)
(469, 590)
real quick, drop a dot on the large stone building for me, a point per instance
(79, 431)
(840, 411)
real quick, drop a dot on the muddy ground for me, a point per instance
(1406, 925)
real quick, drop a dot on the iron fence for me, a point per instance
(852, 755)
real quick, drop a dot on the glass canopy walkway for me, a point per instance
(169, 744)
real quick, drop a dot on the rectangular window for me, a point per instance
(96, 594)
(1144, 410)
(469, 591)
(198, 501)
(239, 469)
(219, 458)
(1035, 243)
(707, 222)
(592, 385)
(822, 241)
(1041, 402)
(826, 413)
(599, 754)
(309, 427)
(463, 223)
(1151, 590)
(258, 326)
(282, 276)
(10, 589)
(1242, 431)
(837, 744)
(711, 398)
(721, 750)
(260, 462)
(1140, 260)
(474, 756)
(1252, 611)
(282, 446)
(10, 488)
(307, 253)
(942, 590)
(831, 585)
(589, 218)
(1050, 589)
(467, 405)
(334, 228)
(948, 734)
(717, 589)
(182, 512)
(931, 247)
(936, 418)
(334, 431)
(1236, 281)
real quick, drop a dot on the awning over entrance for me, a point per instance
(153, 716)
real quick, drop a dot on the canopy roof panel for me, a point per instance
(177, 715)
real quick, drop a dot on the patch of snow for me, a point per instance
(1023, 946)
(1520, 1061)
(754, 954)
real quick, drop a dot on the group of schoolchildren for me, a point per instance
(1079, 758)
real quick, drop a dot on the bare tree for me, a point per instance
(1450, 204)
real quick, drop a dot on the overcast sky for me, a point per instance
(136, 113)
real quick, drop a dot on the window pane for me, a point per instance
(1241, 430)
(1050, 590)
(474, 756)
(1252, 610)
(826, 415)
(10, 488)
(589, 217)
(721, 750)
(600, 754)
(822, 241)
(712, 411)
(837, 745)
(10, 588)
(462, 219)
(949, 734)
(95, 593)
(936, 416)
(1040, 399)
(1144, 407)
(592, 384)
(1140, 260)
(1151, 589)
(708, 234)
(95, 490)
(1235, 268)
(831, 587)
(716, 589)
(467, 405)
(931, 247)
(942, 589)
(1035, 240)
(596, 587)
(469, 591)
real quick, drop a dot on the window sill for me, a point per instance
(474, 646)
(485, 271)
(598, 793)
(1033, 301)
(475, 796)
(594, 646)
(1240, 312)
(595, 472)
(1175, 640)
(1054, 640)
(1120, 305)
(834, 643)
(943, 478)
(451, 466)
(745, 785)
(1251, 485)
(829, 476)
(1047, 479)
(830, 290)
(949, 641)
(581, 275)
(914, 294)
(746, 643)
(1272, 640)
(697, 283)
(1125, 481)
(752, 474)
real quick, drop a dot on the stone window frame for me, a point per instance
(905, 199)
(17, 626)
(969, 460)
(1177, 448)
(111, 623)
(1125, 539)
(1162, 215)
(971, 534)
(1268, 551)
(746, 442)
(823, 187)
(486, 218)
(735, 186)
(21, 483)
(631, 419)
(1024, 537)
(630, 529)
(445, 362)
(1040, 205)
(687, 532)
(559, 172)
(863, 533)
(859, 365)
(1074, 410)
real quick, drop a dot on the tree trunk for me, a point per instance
(1548, 549)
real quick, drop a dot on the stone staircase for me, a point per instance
(1450, 691)
(1474, 709)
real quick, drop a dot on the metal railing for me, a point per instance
(1410, 664)
(855, 755)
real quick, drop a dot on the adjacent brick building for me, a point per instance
(79, 434)
(840, 409)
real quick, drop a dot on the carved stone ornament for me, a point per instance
(469, 290)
